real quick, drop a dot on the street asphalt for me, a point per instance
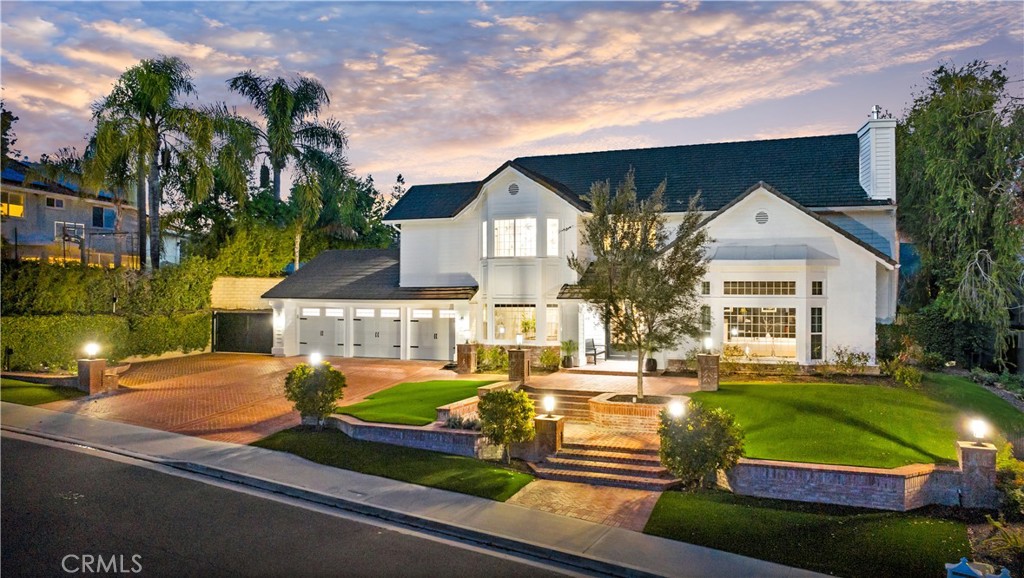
(66, 512)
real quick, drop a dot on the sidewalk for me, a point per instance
(508, 527)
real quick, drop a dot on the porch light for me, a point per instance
(676, 409)
(315, 359)
(979, 429)
(91, 349)
(549, 404)
(519, 340)
(707, 344)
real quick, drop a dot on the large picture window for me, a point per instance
(512, 320)
(515, 237)
(760, 287)
(760, 331)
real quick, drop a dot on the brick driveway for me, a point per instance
(229, 397)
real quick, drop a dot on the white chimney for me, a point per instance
(878, 156)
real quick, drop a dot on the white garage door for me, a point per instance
(430, 335)
(377, 333)
(321, 331)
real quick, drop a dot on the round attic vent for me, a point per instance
(761, 217)
(513, 189)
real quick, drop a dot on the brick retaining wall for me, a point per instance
(433, 438)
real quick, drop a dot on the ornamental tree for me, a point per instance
(506, 417)
(697, 445)
(642, 282)
(314, 390)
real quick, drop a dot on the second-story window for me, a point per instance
(12, 204)
(54, 203)
(103, 218)
(552, 237)
(515, 237)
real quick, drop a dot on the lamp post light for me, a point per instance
(549, 404)
(519, 340)
(91, 349)
(676, 409)
(315, 359)
(979, 429)
(707, 344)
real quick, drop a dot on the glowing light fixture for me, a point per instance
(91, 349)
(735, 331)
(519, 340)
(979, 429)
(549, 404)
(676, 409)
(707, 344)
(315, 358)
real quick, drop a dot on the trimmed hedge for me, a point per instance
(55, 341)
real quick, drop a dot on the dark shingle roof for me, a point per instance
(357, 274)
(433, 201)
(817, 171)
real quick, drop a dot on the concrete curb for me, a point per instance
(476, 537)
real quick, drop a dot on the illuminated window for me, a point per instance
(760, 287)
(422, 313)
(390, 313)
(552, 237)
(512, 320)
(816, 337)
(335, 313)
(365, 313)
(62, 229)
(12, 204)
(753, 332)
(515, 237)
(54, 203)
(311, 312)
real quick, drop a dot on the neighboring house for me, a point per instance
(804, 257)
(58, 222)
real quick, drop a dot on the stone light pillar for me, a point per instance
(90, 375)
(707, 371)
(518, 365)
(550, 429)
(978, 474)
(465, 358)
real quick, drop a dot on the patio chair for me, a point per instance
(591, 350)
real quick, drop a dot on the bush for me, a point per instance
(889, 341)
(314, 390)
(695, 447)
(1010, 483)
(460, 422)
(959, 341)
(908, 376)
(1012, 382)
(158, 334)
(550, 359)
(844, 361)
(1006, 543)
(506, 417)
(492, 358)
(982, 377)
(933, 361)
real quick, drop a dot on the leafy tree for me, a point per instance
(697, 445)
(959, 154)
(7, 138)
(314, 390)
(506, 418)
(290, 109)
(323, 177)
(644, 288)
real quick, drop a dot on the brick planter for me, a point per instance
(626, 415)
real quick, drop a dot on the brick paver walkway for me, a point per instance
(591, 435)
(232, 397)
(620, 507)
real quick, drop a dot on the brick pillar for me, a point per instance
(518, 365)
(978, 474)
(466, 358)
(90, 375)
(549, 433)
(707, 372)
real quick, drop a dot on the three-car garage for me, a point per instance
(376, 332)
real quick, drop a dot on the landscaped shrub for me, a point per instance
(844, 361)
(889, 341)
(1006, 544)
(932, 360)
(959, 341)
(695, 446)
(1010, 483)
(492, 358)
(1012, 381)
(158, 334)
(908, 375)
(982, 377)
(463, 422)
(506, 417)
(314, 390)
(550, 358)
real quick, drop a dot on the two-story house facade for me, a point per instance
(803, 259)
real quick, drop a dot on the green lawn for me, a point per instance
(412, 403)
(860, 425)
(25, 393)
(828, 539)
(437, 470)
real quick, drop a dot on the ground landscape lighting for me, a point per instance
(91, 349)
(979, 429)
(549, 404)
(315, 358)
(676, 409)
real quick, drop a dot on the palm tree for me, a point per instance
(291, 110)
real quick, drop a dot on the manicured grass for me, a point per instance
(437, 470)
(828, 539)
(412, 403)
(859, 425)
(25, 393)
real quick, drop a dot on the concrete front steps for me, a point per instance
(638, 469)
(570, 403)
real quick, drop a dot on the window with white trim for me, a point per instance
(552, 237)
(514, 319)
(515, 237)
(552, 322)
(311, 312)
(334, 312)
(365, 313)
(422, 313)
(390, 313)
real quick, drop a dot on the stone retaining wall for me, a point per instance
(433, 438)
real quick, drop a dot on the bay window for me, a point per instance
(515, 237)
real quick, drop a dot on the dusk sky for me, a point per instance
(447, 91)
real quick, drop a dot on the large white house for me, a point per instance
(804, 256)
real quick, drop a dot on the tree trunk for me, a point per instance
(140, 200)
(298, 242)
(277, 190)
(640, 374)
(154, 210)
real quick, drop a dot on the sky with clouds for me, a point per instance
(447, 91)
